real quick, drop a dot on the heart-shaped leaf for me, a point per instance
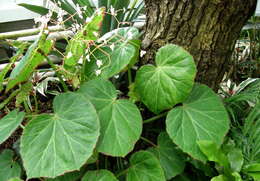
(120, 120)
(8, 167)
(99, 175)
(53, 144)
(9, 123)
(202, 117)
(169, 82)
(145, 166)
(171, 159)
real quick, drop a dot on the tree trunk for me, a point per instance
(208, 29)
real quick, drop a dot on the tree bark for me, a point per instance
(208, 29)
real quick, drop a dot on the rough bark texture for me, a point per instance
(208, 29)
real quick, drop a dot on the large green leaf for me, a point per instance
(171, 159)
(120, 120)
(201, 117)
(33, 57)
(53, 144)
(8, 167)
(9, 123)
(99, 175)
(145, 166)
(169, 82)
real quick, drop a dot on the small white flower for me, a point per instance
(74, 29)
(116, 76)
(142, 53)
(69, 55)
(112, 11)
(78, 9)
(99, 63)
(77, 26)
(112, 46)
(98, 72)
(99, 12)
(85, 8)
(80, 16)
(88, 19)
(130, 35)
(46, 31)
(95, 34)
(88, 58)
(80, 60)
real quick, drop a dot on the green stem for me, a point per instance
(7, 100)
(22, 126)
(27, 109)
(66, 89)
(129, 76)
(155, 118)
(36, 103)
(148, 141)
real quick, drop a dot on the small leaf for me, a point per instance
(213, 153)
(145, 166)
(236, 160)
(23, 94)
(169, 82)
(171, 159)
(120, 120)
(237, 176)
(53, 144)
(8, 167)
(99, 175)
(219, 178)
(9, 124)
(201, 117)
